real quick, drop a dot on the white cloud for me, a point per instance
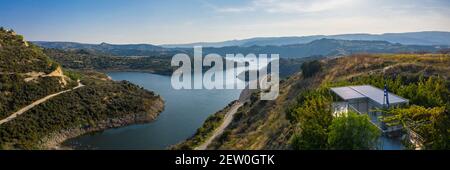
(295, 6)
(287, 6)
(330, 6)
(262, 18)
(236, 9)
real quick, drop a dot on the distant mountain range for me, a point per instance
(120, 50)
(411, 38)
(320, 47)
(326, 47)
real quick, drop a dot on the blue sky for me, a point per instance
(183, 21)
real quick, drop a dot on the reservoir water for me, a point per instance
(185, 111)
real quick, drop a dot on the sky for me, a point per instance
(185, 21)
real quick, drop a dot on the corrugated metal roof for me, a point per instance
(373, 93)
(347, 93)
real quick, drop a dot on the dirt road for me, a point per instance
(26, 108)
(227, 120)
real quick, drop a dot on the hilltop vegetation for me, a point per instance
(87, 60)
(16, 93)
(116, 50)
(423, 79)
(99, 105)
(431, 95)
(19, 56)
(301, 116)
(23, 70)
(27, 74)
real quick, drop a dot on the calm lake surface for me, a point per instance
(185, 111)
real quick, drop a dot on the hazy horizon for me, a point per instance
(180, 22)
(99, 42)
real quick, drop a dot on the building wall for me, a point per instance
(360, 105)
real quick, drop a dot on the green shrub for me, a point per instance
(310, 68)
(353, 132)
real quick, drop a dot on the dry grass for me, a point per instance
(265, 126)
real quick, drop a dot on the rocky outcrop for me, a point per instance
(58, 72)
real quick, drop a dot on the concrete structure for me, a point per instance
(365, 99)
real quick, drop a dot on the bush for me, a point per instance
(353, 131)
(72, 75)
(431, 123)
(313, 114)
(309, 69)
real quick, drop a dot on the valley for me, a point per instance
(224, 84)
(108, 111)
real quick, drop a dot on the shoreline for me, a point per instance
(134, 71)
(55, 141)
(228, 118)
(191, 143)
(229, 115)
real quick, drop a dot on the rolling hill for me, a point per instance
(114, 49)
(28, 75)
(319, 47)
(411, 38)
(302, 111)
(326, 47)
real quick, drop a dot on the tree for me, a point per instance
(431, 123)
(309, 69)
(353, 131)
(312, 137)
(314, 117)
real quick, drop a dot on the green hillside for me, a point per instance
(301, 117)
(19, 56)
(24, 70)
(28, 75)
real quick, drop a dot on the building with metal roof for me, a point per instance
(369, 92)
(365, 99)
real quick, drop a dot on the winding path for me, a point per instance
(244, 97)
(217, 132)
(37, 102)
